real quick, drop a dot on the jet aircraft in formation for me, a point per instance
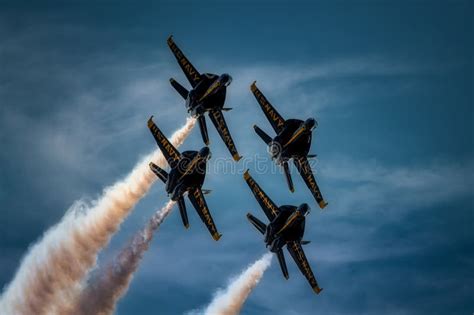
(206, 96)
(286, 228)
(188, 171)
(293, 141)
(188, 168)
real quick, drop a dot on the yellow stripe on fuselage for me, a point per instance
(295, 136)
(214, 86)
(290, 221)
(190, 166)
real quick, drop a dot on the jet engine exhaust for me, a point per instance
(57, 263)
(231, 300)
(102, 293)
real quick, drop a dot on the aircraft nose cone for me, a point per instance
(304, 208)
(226, 79)
(311, 123)
(205, 152)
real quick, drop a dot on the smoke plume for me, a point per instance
(103, 292)
(57, 263)
(231, 300)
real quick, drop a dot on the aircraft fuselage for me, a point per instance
(286, 227)
(294, 140)
(189, 173)
(209, 94)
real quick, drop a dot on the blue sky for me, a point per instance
(390, 83)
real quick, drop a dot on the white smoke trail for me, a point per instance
(103, 292)
(58, 262)
(231, 300)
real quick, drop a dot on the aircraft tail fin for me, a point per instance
(179, 88)
(259, 225)
(226, 109)
(182, 211)
(310, 156)
(289, 181)
(203, 128)
(281, 260)
(305, 242)
(265, 137)
(161, 173)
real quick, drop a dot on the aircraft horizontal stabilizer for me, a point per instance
(259, 225)
(179, 88)
(289, 181)
(159, 172)
(182, 211)
(262, 134)
(203, 128)
(281, 260)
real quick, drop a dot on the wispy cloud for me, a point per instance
(373, 184)
(81, 118)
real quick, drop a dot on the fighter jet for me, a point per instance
(286, 227)
(206, 96)
(188, 170)
(292, 141)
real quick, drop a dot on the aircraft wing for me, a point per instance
(191, 73)
(296, 251)
(273, 116)
(304, 168)
(218, 120)
(169, 151)
(198, 201)
(268, 206)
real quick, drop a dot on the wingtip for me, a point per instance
(317, 290)
(253, 86)
(236, 157)
(150, 121)
(186, 226)
(170, 37)
(246, 174)
(216, 236)
(322, 204)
